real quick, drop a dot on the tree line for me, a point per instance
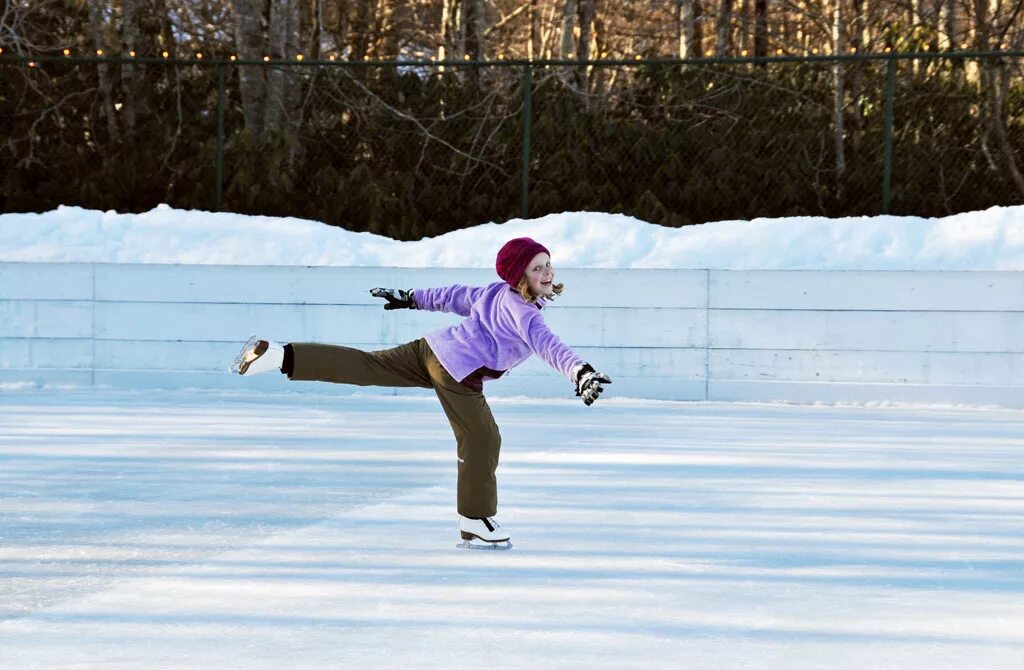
(410, 151)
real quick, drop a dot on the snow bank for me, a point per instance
(988, 240)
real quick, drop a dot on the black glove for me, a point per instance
(397, 298)
(588, 382)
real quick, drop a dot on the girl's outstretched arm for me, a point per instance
(458, 299)
(561, 357)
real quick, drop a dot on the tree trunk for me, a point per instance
(760, 28)
(949, 23)
(252, 85)
(277, 39)
(292, 75)
(1000, 78)
(362, 29)
(474, 22)
(586, 16)
(533, 47)
(97, 25)
(744, 32)
(685, 22)
(340, 29)
(698, 27)
(451, 15)
(317, 21)
(600, 78)
(857, 85)
(129, 33)
(839, 99)
(724, 25)
(568, 16)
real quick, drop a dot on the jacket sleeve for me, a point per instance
(458, 299)
(546, 344)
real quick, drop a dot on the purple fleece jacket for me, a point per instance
(500, 330)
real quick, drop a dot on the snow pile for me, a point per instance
(988, 240)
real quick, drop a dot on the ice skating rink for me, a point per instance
(214, 530)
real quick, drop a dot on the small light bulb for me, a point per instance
(166, 55)
(331, 58)
(199, 56)
(67, 52)
(31, 64)
(778, 52)
(99, 52)
(266, 59)
(744, 52)
(131, 53)
(465, 57)
(299, 57)
(233, 58)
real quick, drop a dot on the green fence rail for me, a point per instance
(677, 96)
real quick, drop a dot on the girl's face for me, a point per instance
(541, 275)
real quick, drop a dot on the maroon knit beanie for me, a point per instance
(515, 256)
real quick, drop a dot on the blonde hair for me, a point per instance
(523, 289)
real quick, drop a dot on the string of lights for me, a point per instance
(780, 56)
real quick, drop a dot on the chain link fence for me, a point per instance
(419, 149)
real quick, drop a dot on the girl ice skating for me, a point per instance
(502, 328)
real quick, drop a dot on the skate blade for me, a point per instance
(236, 365)
(484, 546)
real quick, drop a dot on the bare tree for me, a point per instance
(250, 43)
(533, 45)
(129, 79)
(474, 19)
(685, 28)
(452, 40)
(316, 23)
(992, 24)
(839, 93)
(586, 10)
(98, 27)
(949, 20)
(723, 27)
(568, 19)
(270, 95)
(760, 28)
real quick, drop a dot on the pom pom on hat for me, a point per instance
(515, 256)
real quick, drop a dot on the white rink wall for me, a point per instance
(802, 336)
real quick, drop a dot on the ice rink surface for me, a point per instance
(214, 530)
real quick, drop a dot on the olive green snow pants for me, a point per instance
(414, 364)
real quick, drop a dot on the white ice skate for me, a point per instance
(258, 356)
(482, 534)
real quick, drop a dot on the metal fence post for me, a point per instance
(890, 94)
(220, 135)
(527, 119)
